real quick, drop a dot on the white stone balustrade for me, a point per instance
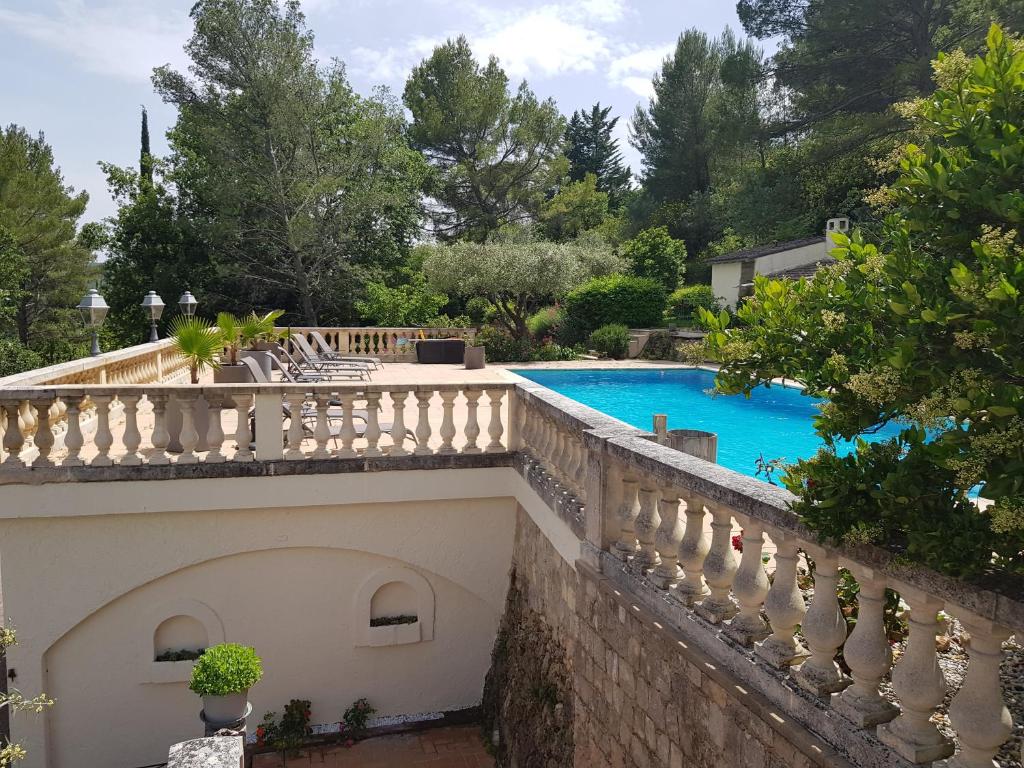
(214, 423)
(384, 343)
(672, 536)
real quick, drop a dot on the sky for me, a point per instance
(79, 70)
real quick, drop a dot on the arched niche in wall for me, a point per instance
(394, 606)
(170, 628)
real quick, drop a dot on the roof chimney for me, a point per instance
(840, 224)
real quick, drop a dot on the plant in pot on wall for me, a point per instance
(231, 370)
(259, 336)
(198, 342)
(475, 354)
(223, 676)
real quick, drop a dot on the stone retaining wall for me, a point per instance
(573, 646)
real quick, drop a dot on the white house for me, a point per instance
(732, 274)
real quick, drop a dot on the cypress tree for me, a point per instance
(145, 158)
(593, 150)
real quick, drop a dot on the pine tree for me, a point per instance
(593, 150)
(145, 158)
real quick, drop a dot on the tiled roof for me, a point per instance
(765, 250)
(804, 270)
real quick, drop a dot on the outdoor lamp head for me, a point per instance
(187, 303)
(153, 305)
(93, 309)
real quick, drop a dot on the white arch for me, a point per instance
(420, 631)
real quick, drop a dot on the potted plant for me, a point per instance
(231, 371)
(475, 354)
(258, 333)
(201, 345)
(223, 676)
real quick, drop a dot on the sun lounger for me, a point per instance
(324, 350)
(312, 357)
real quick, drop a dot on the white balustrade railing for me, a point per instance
(668, 520)
(220, 423)
(384, 343)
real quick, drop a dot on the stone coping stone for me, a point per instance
(210, 752)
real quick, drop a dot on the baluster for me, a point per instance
(719, 568)
(160, 437)
(572, 470)
(132, 437)
(243, 436)
(824, 628)
(646, 525)
(423, 425)
(296, 402)
(667, 539)
(322, 430)
(868, 656)
(398, 424)
(920, 685)
(557, 451)
(103, 438)
(625, 547)
(215, 430)
(73, 439)
(189, 437)
(28, 421)
(447, 421)
(472, 425)
(750, 586)
(495, 428)
(693, 550)
(44, 435)
(784, 606)
(373, 432)
(978, 713)
(348, 427)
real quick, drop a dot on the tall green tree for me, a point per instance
(690, 123)
(145, 155)
(592, 149)
(495, 154)
(48, 253)
(304, 186)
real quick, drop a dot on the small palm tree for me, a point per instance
(230, 328)
(198, 342)
(260, 327)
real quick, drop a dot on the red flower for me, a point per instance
(737, 542)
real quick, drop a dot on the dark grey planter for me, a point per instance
(232, 374)
(262, 358)
(475, 357)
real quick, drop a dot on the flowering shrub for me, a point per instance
(357, 716)
(291, 731)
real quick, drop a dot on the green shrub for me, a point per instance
(479, 310)
(611, 340)
(550, 352)
(15, 358)
(226, 669)
(636, 302)
(684, 303)
(502, 347)
(544, 322)
(656, 254)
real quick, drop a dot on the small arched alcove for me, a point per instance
(394, 606)
(179, 638)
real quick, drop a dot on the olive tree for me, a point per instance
(922, 328)
(516, 273)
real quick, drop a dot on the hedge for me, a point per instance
(635, 302)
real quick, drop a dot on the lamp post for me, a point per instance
(187, 304)
(154, 306)
(93, 310)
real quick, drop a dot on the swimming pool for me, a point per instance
(775, 423)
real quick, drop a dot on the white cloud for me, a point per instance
(119, 39)
(606, 11)
(390, 65)
(543, 41)
(634, 71)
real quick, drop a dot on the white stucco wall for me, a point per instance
(725, 278)
(89, 570)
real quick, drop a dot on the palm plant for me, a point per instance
(198, 342)
(230, 328)
(256, 328)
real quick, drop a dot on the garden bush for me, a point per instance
(502, 346)
(684, 303)
(636, 302)
(656, 254)
(479, 310)
(226, 669)
(544, 322)
(611, 340)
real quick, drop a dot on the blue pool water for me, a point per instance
(775, 422)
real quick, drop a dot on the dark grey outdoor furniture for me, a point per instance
(440, 350)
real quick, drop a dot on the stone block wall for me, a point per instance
(575, 649)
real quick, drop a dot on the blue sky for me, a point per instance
(78, 70)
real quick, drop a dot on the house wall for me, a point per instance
(725, 278)
(90, 570)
